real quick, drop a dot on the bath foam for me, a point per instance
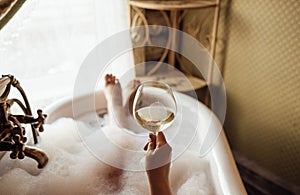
(72, 169)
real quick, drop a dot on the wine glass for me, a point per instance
(154, 106)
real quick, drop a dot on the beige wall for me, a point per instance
(258, 51)
(262, 78)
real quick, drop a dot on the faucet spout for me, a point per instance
(38, 155)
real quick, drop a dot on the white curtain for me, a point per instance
(45, 43)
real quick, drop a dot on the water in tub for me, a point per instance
(72, 169)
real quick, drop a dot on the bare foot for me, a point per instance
(113, 91)
(113, 94)
(131, 89)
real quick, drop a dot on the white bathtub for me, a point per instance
(225, 176)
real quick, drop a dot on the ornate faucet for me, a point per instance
(12, 133)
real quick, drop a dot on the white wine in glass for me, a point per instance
(154, 106)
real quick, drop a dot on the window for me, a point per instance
(45, 43)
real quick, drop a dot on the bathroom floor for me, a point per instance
(257, 185)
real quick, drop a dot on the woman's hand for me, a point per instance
(158, 163)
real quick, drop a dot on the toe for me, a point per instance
(136, 83)
(133, 84)
(113, 79)
(108, 79)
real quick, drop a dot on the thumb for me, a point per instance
(160, 139)
(151, 144)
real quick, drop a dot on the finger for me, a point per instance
(160, 139)
(151, 146)
(146, 146)
(152, 139)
